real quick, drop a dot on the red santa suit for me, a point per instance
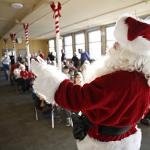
(116, 95)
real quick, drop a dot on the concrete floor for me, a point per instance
(20, 131)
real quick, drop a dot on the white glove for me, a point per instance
(48, 79)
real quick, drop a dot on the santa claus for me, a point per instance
(116, 94)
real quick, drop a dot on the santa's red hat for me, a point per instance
(133, 34)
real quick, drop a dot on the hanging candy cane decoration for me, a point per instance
(26, 31)
(13, 39)
(56, 9)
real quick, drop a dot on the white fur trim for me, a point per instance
(140, 45)
(47, 81)
(132, 142)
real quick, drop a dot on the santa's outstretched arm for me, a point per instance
(56, 88)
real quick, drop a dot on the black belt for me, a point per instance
(107, 130)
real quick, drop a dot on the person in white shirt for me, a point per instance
(5, 63)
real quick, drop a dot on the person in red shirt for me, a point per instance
(116, 93)
(41, 54)
(25, 78)
(13, 66)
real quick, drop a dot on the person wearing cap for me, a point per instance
(116, 95)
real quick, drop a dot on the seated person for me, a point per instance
(78, 78)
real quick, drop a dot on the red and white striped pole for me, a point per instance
(13, 39)
(26, 31)
(56, 9)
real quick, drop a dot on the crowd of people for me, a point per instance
(17, 73)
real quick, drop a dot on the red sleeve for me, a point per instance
(119, 98)
(76, 98)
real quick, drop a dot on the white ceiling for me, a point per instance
(8, 15)
(76, 15)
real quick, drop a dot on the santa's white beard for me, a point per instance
(115, 60)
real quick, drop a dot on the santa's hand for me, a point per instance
(48, 79)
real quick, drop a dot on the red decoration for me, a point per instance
(56, 10)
